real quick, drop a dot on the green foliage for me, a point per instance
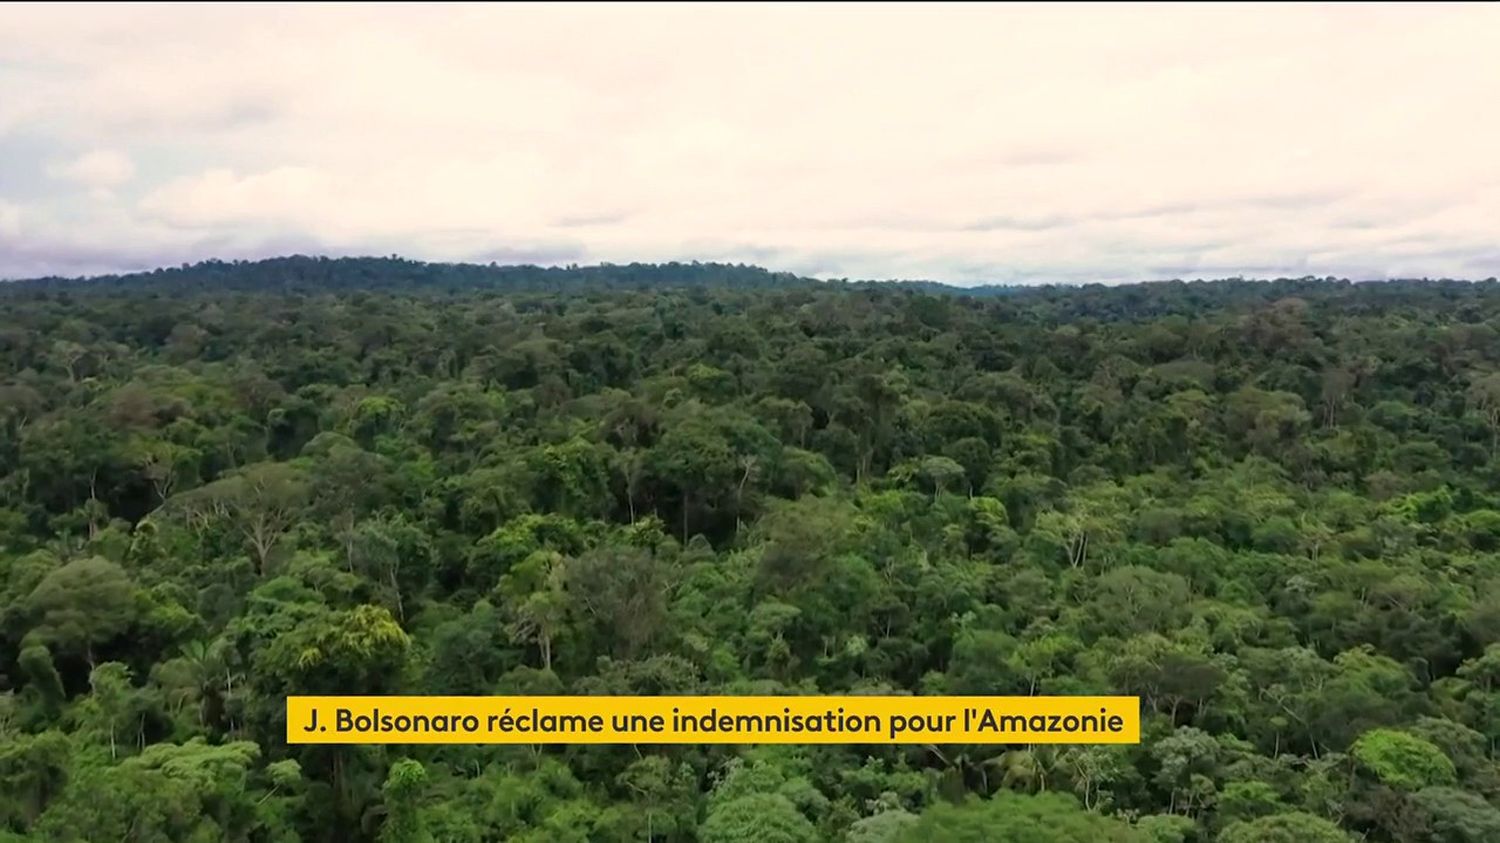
(1456, 815)
(1271, 510)
(757, 817)
(81, 605)
(1017, 818)
(1167, 828)
(402, 791)
(361, 648)
(190, 792)
(1285, 828)
(1402, 760)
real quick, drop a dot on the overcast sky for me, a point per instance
(957, 143)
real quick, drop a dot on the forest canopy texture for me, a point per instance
(1271, 510)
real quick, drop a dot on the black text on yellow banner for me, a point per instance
(722, 720)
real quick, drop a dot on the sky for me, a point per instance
(960, 143)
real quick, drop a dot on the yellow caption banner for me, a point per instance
(703, 720)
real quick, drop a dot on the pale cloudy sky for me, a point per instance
(958, 143)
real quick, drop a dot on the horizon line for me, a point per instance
(574, 266)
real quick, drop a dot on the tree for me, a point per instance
(192, 791)
(882, 827)
(1484, 395)
(83, 604)
(707, 457)
(164, 464)
(1294, 827)
(261, 503)
(393, 552)
(33, 770)
(1016, 818)
(403, 790)
(1456, 815)
(1266, 420)
(663, 799)
(625, 592)
(757, 817)
(1402, 760)
(359, 650)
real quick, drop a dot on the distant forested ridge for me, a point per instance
(1269, 509)
(302, 274)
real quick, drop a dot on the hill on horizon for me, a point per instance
(307, 273)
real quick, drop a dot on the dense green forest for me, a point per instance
(1271, 510)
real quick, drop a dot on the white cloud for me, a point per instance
(958, 142)
(221, 197)
(10, 220)
(100, 169)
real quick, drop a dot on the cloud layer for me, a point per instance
(960, 143)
